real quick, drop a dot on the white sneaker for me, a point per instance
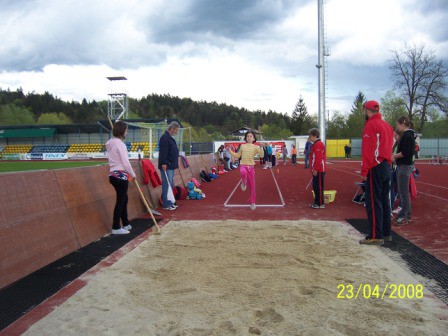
(243, 186)
(170, 208)
(397, 210)
(253, 206)
(127, 227)
(120, 231)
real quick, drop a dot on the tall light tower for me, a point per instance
(118, 103)
(321, 67)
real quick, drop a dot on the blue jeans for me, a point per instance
(170, 174)
(403, 174)
(393, 184)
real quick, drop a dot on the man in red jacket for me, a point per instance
(377, 142)
(318, 162)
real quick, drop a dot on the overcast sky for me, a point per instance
(256, 54)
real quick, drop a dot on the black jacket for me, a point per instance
(406, 146)
(168, 152)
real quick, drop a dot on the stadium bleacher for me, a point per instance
(75, 148)
(50, 149)
(16, 149)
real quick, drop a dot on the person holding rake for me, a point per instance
(247, 153)
(120, 173)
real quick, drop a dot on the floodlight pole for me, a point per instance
(321, 71)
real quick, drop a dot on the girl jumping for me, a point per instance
(247, 153)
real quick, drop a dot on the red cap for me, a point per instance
(372, 105)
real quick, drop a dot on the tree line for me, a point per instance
(419, 92)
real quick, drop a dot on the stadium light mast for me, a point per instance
(118, 103)
(321, 67)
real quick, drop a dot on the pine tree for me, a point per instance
(298, 117)
(356, 120)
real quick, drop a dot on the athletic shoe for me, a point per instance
(370, 241)
(253, 206)
(322, 206)
(401, 221)
(397, 210)
(387, 238)
(243, 186)
(120, 231)
(127, 227)
(175, 206)
(170, 208)
(314, 206)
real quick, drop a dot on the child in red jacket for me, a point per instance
(318, 162)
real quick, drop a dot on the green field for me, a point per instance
(15, 166)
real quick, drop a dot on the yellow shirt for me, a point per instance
(247, 153)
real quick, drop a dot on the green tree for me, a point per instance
(436, 129)
(53, 119)
(274, 132)
(11, 114)
(337, 126)
(298, 117)
(356, 120)
(392, 107)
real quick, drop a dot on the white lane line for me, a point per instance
(258, 205)
(432, 185)
(431, 195)
(231, 194)
(278, 188)
(344, 171)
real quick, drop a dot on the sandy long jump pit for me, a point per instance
(250, 278)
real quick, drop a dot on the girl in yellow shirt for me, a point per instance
(247, 153)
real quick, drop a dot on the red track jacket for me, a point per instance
(150, 173)
(377, 142)
(318, 157)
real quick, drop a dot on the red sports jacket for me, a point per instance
(150, 174)
(318, 157)
(377, 142)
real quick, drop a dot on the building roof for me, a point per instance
(243, 130)
(31, 131)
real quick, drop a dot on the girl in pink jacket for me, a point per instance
(120, 173)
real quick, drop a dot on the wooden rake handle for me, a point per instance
(146, 205)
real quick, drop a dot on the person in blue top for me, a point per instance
(307, 152)
(268, 163)
(168, 162)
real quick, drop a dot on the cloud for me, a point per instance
(254, 54)
(206, 20)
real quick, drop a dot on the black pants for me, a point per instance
(378, 201)
(318, 188)
(121, 205)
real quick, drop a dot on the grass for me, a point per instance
(16, 166)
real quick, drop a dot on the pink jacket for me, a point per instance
(117, 155)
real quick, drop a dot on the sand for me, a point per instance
(247, 278)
